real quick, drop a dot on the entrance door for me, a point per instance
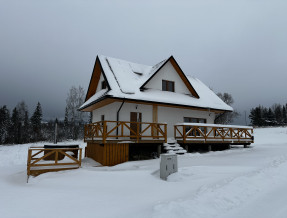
(134, 118)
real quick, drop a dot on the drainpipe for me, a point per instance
(118, 115)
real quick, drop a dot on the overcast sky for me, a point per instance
(233, 46)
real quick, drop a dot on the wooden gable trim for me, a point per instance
(95, 78)
(109, 99)
(180, 73)
(175, 106)
(183, 77)
(142, 87)
(99, 104)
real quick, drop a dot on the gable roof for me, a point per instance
(126, 80)
(178, 70)
(94, 81)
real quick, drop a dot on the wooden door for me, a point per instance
(135, 117)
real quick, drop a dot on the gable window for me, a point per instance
(167, 85)
(104, 84)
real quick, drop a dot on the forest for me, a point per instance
(275, 115)
(17, 127)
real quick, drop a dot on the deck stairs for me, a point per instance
(172, 147)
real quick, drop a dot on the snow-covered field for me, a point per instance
(237, 183)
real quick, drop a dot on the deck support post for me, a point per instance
(228, 146)
(158, 150)
(186, 148)
(209, 148)
(246, 146)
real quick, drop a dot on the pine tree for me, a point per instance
(5, 123)
(26, 128)
(284, 115)
(265, 120)
(256, 116)
(66, 125)
(14, 132)
(36, 121)
(271, 117)
(278, 113)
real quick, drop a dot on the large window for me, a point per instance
(167, 85)
(194, 120)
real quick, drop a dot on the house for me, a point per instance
(136, 108)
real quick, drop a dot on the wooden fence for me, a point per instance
(123, 130)
(42, 160)
(212, 133)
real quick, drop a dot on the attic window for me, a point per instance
(104, 84)
(167, 85)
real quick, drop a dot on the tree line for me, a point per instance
(269, 116)
(17, 127)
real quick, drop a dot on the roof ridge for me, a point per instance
(129, 62)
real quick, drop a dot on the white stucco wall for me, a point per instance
(175, 115)
(167, 72)
(167, 115)
(110, 112)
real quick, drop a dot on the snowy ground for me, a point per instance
(234, 183)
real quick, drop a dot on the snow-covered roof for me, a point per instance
(125, 79)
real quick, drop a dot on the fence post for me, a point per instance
(29, 162)
(80, 157)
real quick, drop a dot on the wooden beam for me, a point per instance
(183, 77)
(94, 80)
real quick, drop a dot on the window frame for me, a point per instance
(168, 85)
(104, 84)
(187, 128)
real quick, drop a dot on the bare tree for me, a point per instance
(22, 109)
(226, 117)
(73, 116)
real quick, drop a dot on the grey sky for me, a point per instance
(232, 46)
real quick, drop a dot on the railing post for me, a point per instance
(28, 162)
(104, 132)
(165, 133)
(205, 134)
(183, 133)
(122, 129)
(56, 156)
(138, 132)
(174, 133)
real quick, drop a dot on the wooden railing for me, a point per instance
(52, 159)
(123, 130)
(213, 133)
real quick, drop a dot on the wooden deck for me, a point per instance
(41, 160)
(201, 133)
(124, 131)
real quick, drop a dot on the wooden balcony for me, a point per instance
(124, 131)
(213, 133)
